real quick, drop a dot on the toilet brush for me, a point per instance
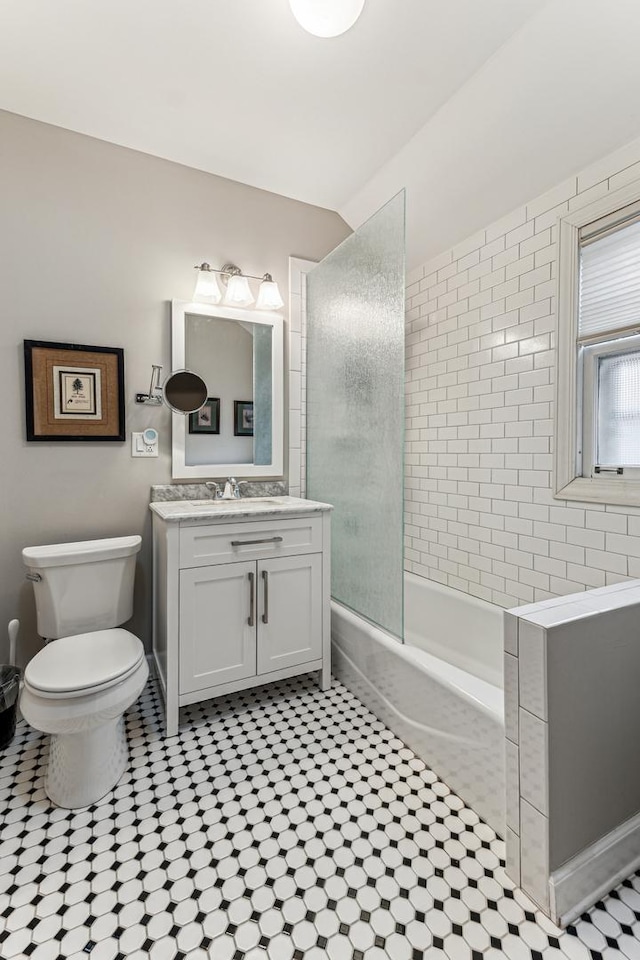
(14, 627)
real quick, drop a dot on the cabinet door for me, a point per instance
(217, 625)
(290, 611)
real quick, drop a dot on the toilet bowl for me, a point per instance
(78, 687)
(77, 690)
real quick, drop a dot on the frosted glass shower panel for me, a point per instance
(355, 412)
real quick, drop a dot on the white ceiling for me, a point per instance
(561, 94)
(476, 106)
(237, 88)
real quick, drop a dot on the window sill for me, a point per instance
(624, 493)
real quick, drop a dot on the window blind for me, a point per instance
(610, 282)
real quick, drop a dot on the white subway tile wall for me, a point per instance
(297, 367)
(480, 356)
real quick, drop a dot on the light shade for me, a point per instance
(207, 286)
(326, 18)
(238, 291)
(269, 295)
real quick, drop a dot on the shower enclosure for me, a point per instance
(440, 690)
(355, 412)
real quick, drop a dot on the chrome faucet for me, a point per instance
(231, 489)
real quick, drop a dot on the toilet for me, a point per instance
(78, 687)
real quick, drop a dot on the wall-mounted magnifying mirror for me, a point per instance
(239, 355)
(184, 392)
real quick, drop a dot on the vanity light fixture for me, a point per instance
(326, 18)
(238, 292)
(207, 285)
(269, 296)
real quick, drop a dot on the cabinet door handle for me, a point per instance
(246, 543)
(265, 615)
(251, 621)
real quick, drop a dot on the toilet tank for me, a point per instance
(81, 587)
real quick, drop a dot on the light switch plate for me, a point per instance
(145, 444)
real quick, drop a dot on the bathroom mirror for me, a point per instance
(184, 392)
(238, 428)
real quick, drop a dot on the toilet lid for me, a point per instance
(84, 661)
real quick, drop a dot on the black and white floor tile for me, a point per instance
(281, 823)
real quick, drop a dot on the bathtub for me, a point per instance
(441, 691)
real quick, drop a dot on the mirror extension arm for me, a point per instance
(154, 396)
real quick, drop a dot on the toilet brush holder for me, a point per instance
(10, 678)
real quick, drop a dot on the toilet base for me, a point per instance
(85, 766)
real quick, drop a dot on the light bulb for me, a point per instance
(326, 18)
(269, 295)
(206, 285)
(238, 291)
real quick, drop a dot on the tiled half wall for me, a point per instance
(572, 715)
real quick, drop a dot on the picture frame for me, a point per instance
(207, 418)
(73, 392)
(243, 418)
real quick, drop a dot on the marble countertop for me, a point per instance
(212, 511)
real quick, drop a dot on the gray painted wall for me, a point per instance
(593, 669)
(95, 240)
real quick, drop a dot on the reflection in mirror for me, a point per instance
(239, 431)
(234, 358)
(184, 391)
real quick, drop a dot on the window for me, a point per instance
(609, 346)
(598, 375)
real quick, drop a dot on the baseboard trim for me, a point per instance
(578, 884)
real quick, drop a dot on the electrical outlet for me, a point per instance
(145, 444)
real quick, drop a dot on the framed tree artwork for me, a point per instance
(73, 391)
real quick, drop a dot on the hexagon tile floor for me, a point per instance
(281, 823)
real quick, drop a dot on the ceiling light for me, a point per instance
(326, 18)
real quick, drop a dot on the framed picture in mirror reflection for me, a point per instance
(243, 418)
(207, 418)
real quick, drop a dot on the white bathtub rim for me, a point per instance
(466, 665)
(451, 625)
(484, 696)
(442, 588)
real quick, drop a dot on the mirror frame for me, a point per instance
(180, 470)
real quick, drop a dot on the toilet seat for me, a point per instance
(83, 664)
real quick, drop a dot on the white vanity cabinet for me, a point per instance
(239, 599)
